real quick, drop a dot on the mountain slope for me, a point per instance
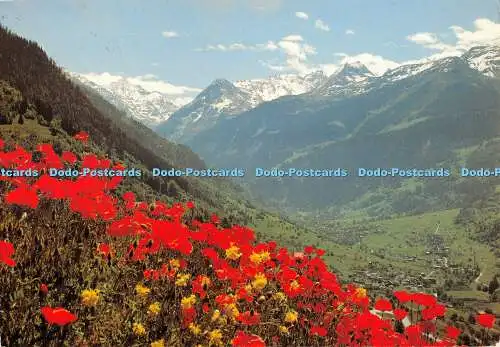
(426, 118)
(223, 98)
(351, 79)
(262, 90)
(58, 106)
(220, 98)
(149, 108)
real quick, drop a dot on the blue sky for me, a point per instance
(191, 42)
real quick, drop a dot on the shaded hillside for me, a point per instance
(45, 104)
(444, 116)
(46, 91)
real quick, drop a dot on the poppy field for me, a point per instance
(82, 265)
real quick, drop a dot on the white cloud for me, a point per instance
(293, 38)
(319, 24)
(375, 63)
(302, 15)
(297, 54)
(169, 34)
(149, 82)
(486, 32)
(268, 46)
(350, 32)
(423, 38)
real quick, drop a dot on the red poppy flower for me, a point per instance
(453, 332)
(104, 249)
(249, 318)
(243, 339)
(82, 136)
(23, 196)
(6, 252)
(317, 330)
(383, 305)
(58, 316)
(400, 314)
(402, 296)
(190, 204)
(308, 249)
(424, 299)
(214, 219)
(486, 320)
(433, 312)
(44, 289)
(69, 157)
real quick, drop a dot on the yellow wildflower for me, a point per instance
(188, 302)
(158, 343)
(139, 329)
(215, 337)
(205, 281)
(182, 280)
(260, 281)
(142, 290)
(360, 293)
(233, 252)
(291, 316)
(294, 284)
(215, 315)
(154, 309)
(260, 257)
(195, 329)
(283, 329)
(90, 297)
(175, 263)
(231, 311)
(265, 256)
(255, 258)
(279, 296)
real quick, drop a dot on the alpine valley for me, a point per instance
(439, 233)
(442, 113)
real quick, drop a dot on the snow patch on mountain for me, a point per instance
(267, 89)
(148, 107)
(485, 59)
(350, 79)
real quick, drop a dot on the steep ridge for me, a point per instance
(65, 109)
(223, 98)
(149, 108)
(414, 116)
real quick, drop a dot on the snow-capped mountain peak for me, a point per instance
(351, 78)
(221, 97)
(485, 59)
(267, 89)
(148, 107)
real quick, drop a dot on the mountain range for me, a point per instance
(442, 112)
(220, 100)
(351, 118)
(154, 108)
(149, 108)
